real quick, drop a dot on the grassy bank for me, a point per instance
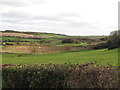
(102, 56)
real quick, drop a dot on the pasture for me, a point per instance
(101, 56)
(18, 39)
(22, 35)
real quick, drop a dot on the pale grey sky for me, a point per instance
(71, 17)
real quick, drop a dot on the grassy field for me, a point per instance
(72, 44)
(22, 35)
(102, 56)
(50, 35)
(20, 39)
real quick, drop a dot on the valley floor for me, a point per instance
(101, 56)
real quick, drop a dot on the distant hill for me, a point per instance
(43, 35)
(12, 33)
(22, 35)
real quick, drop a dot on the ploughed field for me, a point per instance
(101, 56)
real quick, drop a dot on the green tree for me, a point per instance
(114, 40)
(70, 40)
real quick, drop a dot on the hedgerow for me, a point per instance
(87, 75)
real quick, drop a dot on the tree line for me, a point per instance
(112, 42)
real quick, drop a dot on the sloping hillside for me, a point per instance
(22, 35)
(11, 33)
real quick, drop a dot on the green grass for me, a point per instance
(9, 38)
(1, 46)
(101, 56)
(20, 39)
(17, 38)
(72, 44)
(50, 35)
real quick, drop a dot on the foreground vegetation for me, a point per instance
(102, 56)
(87, 75)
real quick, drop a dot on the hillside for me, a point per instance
(16, 41)
(21, 35)
(9, 33)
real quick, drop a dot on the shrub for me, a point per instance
(70, 40)
(100, 46)
(87, 75)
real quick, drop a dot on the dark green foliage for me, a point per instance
(87, 75)
(11, 31)
(114, 40)
(70, 40)
(91, 38)
(100, 46)
(104, 39)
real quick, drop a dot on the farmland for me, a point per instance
(102, 56)
(36, 60)
(66, 44)
(38, 48)
(14, 39)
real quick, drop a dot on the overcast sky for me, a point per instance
(71, 17)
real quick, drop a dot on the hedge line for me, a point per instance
(87, 75)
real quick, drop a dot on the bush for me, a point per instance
(100, 46)
(87, 75)
(70, 40)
